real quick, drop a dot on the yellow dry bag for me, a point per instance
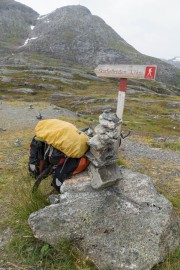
(62, 135)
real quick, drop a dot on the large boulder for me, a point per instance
(125, 226)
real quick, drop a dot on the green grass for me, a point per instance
(40, 255)
(24, 250)
(172, 262)
(122, 162)
(175, 146)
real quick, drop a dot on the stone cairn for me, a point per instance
(103, 151)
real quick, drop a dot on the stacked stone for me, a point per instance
(103, 144)
(103, 153)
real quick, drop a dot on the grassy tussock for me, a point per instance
(172, 262)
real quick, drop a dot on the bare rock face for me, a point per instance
(126, 226)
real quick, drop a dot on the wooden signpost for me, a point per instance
(123, 72)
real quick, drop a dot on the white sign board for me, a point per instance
(127, 71)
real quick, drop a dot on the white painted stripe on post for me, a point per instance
(120, 104)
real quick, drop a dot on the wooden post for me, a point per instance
(120, 107)
(121, 98)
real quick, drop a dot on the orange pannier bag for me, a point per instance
(83, 163)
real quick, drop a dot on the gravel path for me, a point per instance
(136, 149)
(20, 115)
(162, 165)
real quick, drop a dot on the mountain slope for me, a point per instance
(174, 61)
(15, 22)
(71, 34)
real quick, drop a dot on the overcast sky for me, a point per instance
(150, 26)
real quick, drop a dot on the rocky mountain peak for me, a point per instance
(14, 5)
(76, 10)
(75, 36)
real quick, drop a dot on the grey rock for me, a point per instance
(113, 134)
(22, 90)
(92, 77)
(60, 96)
(54, 199)
(159, 139)
(100, 129)
(7, 71)
(67, 75)
(104, 138)
(107, 139)
(175, 116)
(5, 238)
(39, 116)
(105, 176)
(106, 154)
(108, 124)
(2, 129)
(174, 104)
(30, 106)
(100, 108)
(98, 162)
(48, 86)
(102, 145)
(18, 143)
(108, 115)
(126, 226)
(95, 143)
(66, 81)
(173, 139)
(6, 79)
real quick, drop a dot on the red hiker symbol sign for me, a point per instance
(150, 72)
